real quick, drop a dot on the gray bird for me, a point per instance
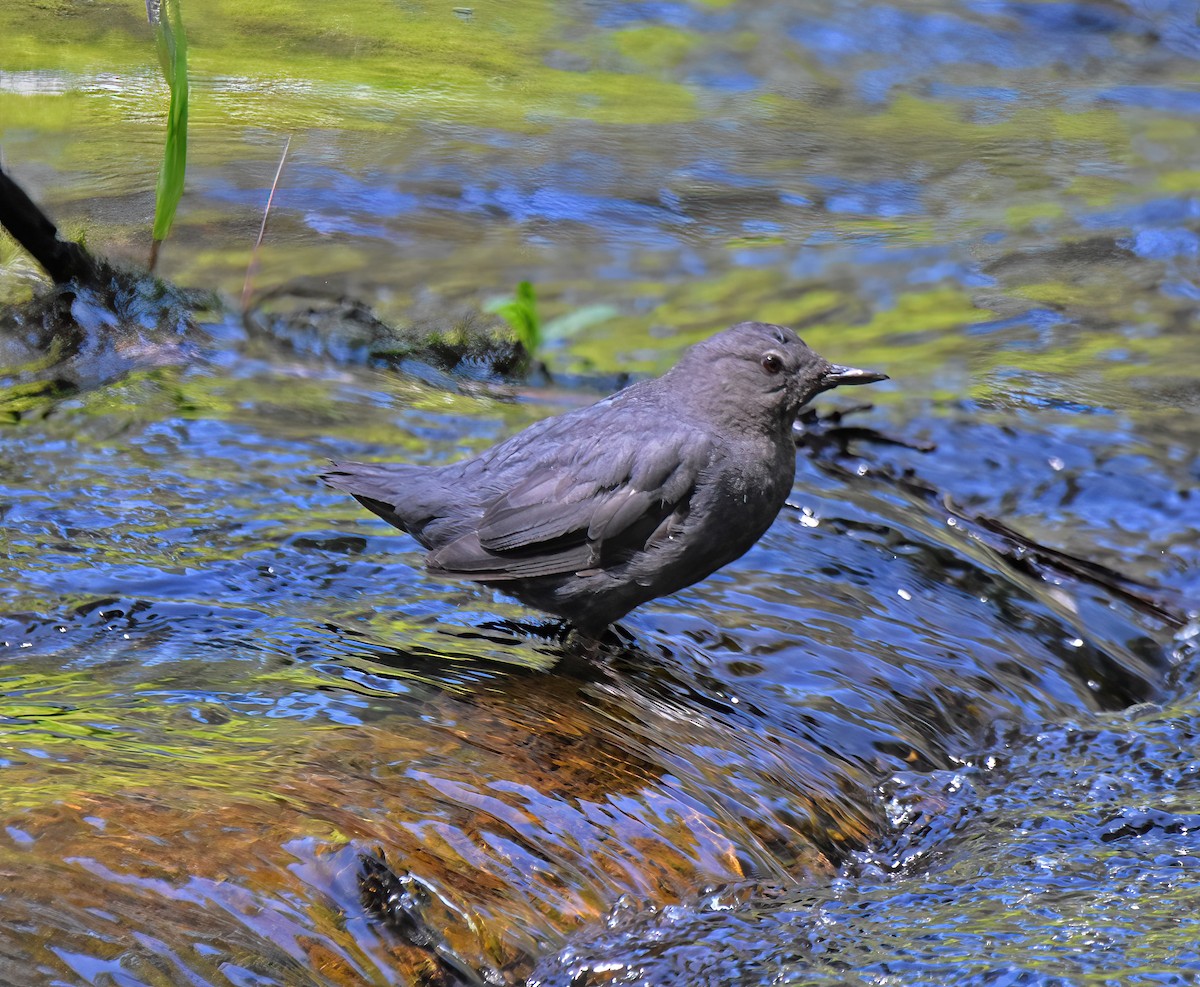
(592, 513)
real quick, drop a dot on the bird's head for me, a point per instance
(761, 372)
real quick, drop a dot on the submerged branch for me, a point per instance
(1019, 551)
(64, 260)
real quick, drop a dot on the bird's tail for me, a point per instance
(394, 491)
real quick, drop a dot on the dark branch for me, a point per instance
(64, 260)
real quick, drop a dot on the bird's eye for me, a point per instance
(772, 363)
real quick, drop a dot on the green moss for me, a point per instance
(1180, 182)
(1096, 191)
(1063, 294)
(1027, 214)
(656, 47)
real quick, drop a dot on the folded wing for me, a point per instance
(591, 511)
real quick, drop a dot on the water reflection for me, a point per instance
(1052, 825)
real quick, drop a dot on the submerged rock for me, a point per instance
(467, 343)
(78, 337)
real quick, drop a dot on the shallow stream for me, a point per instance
(898, 742)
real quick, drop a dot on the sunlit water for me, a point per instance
(886, 746)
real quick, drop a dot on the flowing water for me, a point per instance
(899, 742)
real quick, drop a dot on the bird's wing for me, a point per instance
(574, 514)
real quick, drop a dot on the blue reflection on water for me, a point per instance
(1162, 244)
(880, 198)
(679, 15)
(919, 39)
(1154, 98)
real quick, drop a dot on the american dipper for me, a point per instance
(589, 514)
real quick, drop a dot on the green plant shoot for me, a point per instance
(521, 313)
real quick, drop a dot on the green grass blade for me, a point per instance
(172, 53)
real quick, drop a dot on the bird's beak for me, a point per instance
(836, 376)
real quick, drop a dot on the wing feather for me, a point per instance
(540, 509)
(466, 557)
